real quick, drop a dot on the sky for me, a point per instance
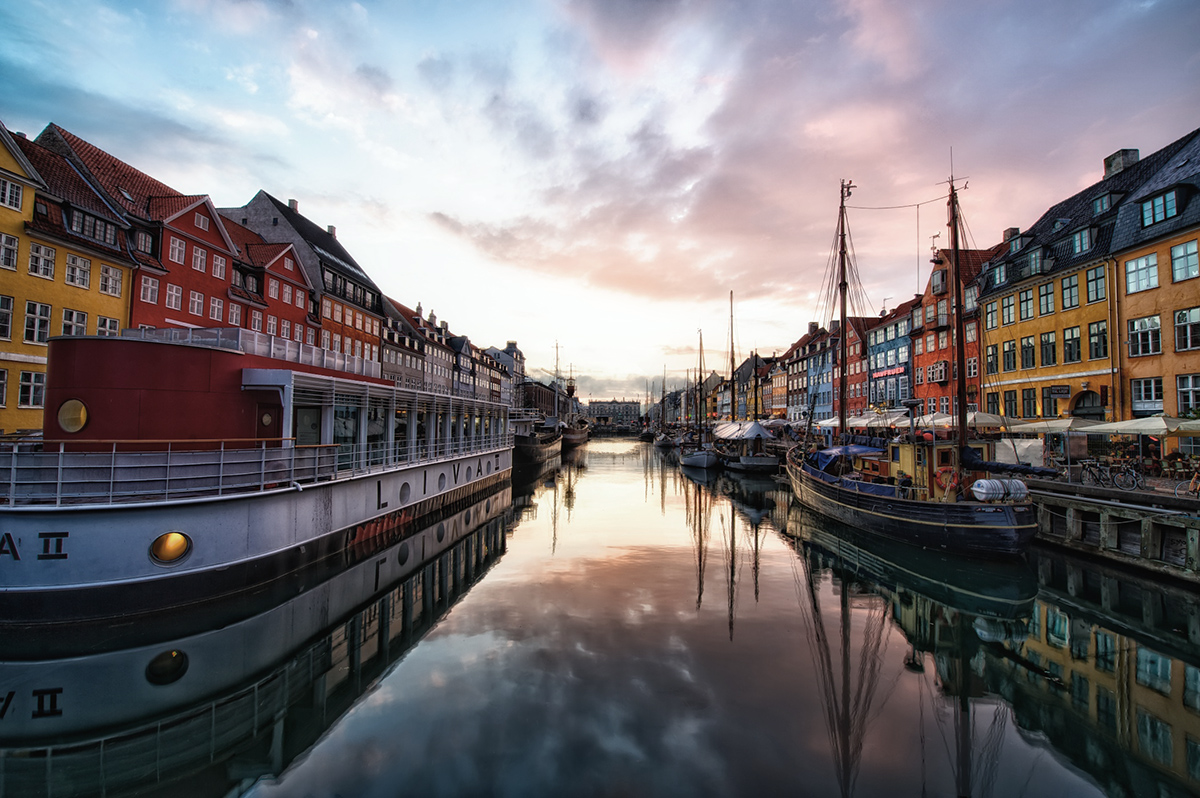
(593, 178)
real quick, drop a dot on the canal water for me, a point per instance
(614, 626)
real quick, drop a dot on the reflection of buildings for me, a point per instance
(217, 709)
(1114, 682)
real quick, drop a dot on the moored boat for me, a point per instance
(181, 466)
(917, 489)
(535, 441)
(741, 447)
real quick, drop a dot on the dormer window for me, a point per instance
(144, 242)
(201, 221)
(1101, 204)
(1014, 244)
(1158, 208)
(91, 227)
(938, 281)
(999, 274)
(1081, 241)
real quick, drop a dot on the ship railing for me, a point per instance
(48, 473)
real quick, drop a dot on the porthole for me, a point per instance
(267, 418)
(468, 473)
(167, 667)
(72, 415)
(405, 493)
(402, 553)
(441, 532)
(441, 481)
(467, 517)
(170, 547)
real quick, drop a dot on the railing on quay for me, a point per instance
(47, 473)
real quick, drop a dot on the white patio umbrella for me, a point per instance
(1054, 425)
(935, 420)
(1149, 425)
(979, 419)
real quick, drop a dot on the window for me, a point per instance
(287, 294)
(1008, 310)
(1141, 274)
(1101, 204)
(177, 248)
(1045, 299)
(919, 376)
(91, 227)
(201, 221)
(32, 392)
(1188, 392)
(150, 289)
(110, 280)
(1027, 352)
(216, 308)
(1070, 292)
(289, 264)
(993, 359)
(174, 297)
(1154, 738)
(970, 298)
(337, 312)
(273, 288)
(1098, 339)
(358, 353)
(272, 325)
(1158, 208)
(37, 323)
(1144, 336)
(1049, 403)
(6, 313)
(1027, 304)
(919, 346)
(74, 322)
(298, 333)
(971, 331)
(300, 295)
(79, 271)
(972, 367)
(358, 321)
(256, 320)
(1095, 284)
(930, 343)
(218, 269)
(326, 309)
(1153, 670)
(199, 259)
(9, 247)
(324, 339)
(41, 261)
(1184, 262)
(1000, 273)
(1010, 404)
(337, 342)
(10, 194)
(1010, 355)
(311, 336)
(1081, 241)
(1072, 349)
(108, 326)
(943, 340)
(196, 303)
(1049, 349)
(235, 315)
(989, 316)
(285, 329)
(1147, 395)
(1187, 329)
(144, 242)
(993, 403)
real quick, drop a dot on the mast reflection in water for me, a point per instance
(614, 625)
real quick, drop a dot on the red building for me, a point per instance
(269, 280)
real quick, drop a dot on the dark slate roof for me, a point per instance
(1053, 232)
(64, 181)
(1181, 172)
(323, 243)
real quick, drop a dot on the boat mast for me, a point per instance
(960, 349)
(843, 342)
(732, 380)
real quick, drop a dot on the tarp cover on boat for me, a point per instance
(742, 431)
(826, 456)
(972, 460)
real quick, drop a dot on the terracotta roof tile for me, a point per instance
(65, 182)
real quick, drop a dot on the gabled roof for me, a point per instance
(322, 242)
(1181, 171)
(128, 188)
(171, 206)
(31, 176)
(62, 181)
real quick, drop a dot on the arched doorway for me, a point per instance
(1087, 405)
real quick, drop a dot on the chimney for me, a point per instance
(17, 134)
(293, 206)
(1121, 159)
(813, 327)
(1011, 233)
(332, 231)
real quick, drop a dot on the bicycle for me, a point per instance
(1126, 477)
(1093, 472)
(1189, 489)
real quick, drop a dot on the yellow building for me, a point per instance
(65, 270)
(1052, 316)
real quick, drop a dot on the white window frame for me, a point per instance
(272, 288)
(178, 250)
(74, 322)
(11, 194)
(287, 294)
(174, 298)
(110, 280)
(10, 248)
(272, 325)
(216, 308)
(41, 261)
(196, 303)
(6, 318)
(256, 320)
(199, 259)
(1185, 261)
(106, 325)
(201, 221)
(39, 314)
(149, 291)
(32, 389)
(235, 314)
(1141, 274)
(218, 266)
(78, 272)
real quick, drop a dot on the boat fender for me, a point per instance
(946, 477)
(994, 490)
(299, 488)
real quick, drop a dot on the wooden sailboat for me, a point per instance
(948, 503)
(741, 445)
(699, 454)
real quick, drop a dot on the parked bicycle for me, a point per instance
(1125, 477)
(1189, 489)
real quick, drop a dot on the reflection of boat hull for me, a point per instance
(751, 463)
(972, 528)
(699, 458)
(1003, 589)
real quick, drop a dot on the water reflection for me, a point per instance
(209, 712)
(632, 628)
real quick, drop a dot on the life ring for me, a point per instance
(940, 476)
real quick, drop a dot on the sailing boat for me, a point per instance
(575, 432)
(741, 445)
(932, 509)
(699, 454)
